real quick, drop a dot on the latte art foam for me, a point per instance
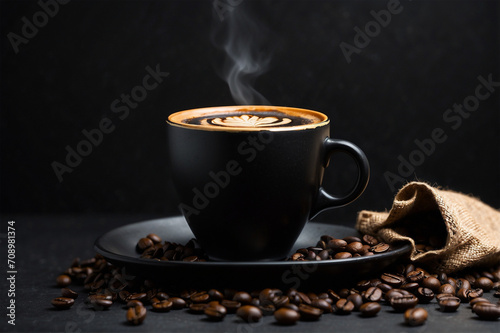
(251, 118)
(249, 121)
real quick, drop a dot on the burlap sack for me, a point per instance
(468, 228)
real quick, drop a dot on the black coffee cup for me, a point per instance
(249, 177)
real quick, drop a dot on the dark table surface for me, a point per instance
(46, 246)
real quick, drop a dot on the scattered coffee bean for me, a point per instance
(216, 312)
(356, 299)
(162, 306)
(344, 306)
(322, 305)
(66, 292)
(100, 304)
(449, 304)
(415, 316)
(425, 295)
(402, 303)
(486, 311)
(136, 315)
(309, 313)
(483, 283)
(249, 313)
(393, 280)
(63, 303)
(370, 309)
(197, 308)
(373, 294)
(285, 316)
(63, 280)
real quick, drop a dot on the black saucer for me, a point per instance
(118, 247)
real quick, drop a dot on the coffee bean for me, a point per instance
(356, 299)
(333, 295)
(363, 285)
(322, 305)
(63, 303)
(136, 315)
(267, 308)
(431, 283)
(370, 240)
(216, 312)
(415, 276)
(478, 300)
(66, 292)
(304, 298)
(380, 248)
(447, 289)
(231, 306)
(162, 306)
(323, 255)
(249, 313)
(215, 295)
(462, 283)
(63, 280)
(391, 279)
(483, 283)
(337, 244)
(402, 303)
(449, 304)
(411, 286)
(279, 301)
(344, 306)
(373, 294)
(473, 293)
(415, 316)
(200, 297)
(143, 244)
(298, 257)
(425, 295)
(350, 239)
(286, 316)
(343, 255)
(268, 294)
(309, 313)
(138, 296)
(197, 308)
(154, 237)
(384, 287)
(101, 304)
(486, 311)
(370, 309)
(177, 303)
(354, 247)
(242, 297)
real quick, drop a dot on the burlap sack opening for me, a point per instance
(460, 231)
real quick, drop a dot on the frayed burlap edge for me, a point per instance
(473, 227)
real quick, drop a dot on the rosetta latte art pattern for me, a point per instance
(249, 121)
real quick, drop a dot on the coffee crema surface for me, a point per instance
(248, 118)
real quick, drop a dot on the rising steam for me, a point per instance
(247, 56)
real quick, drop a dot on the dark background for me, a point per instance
(394, 91)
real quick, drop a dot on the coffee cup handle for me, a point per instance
(325, 200)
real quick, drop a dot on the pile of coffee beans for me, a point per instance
(329, 247)
(151, 247)
(426, 229)
(401, 287)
